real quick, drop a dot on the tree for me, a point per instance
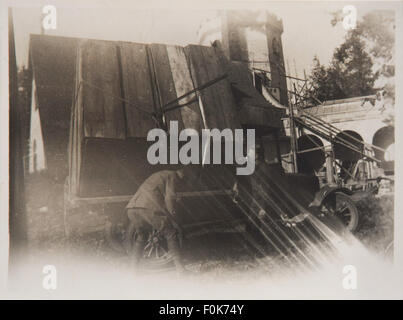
(378, 31)
(351, 68)
(363, 64)
(348, 75)
(323, 84)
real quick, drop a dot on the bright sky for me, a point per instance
(307, 28)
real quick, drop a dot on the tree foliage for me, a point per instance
(362, 64)
(348, 75)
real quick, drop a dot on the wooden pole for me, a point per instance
(293, 137)
(329, 169)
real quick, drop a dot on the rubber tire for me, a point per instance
(355, 217)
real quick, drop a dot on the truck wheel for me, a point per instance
(156, 256)
(343, 207)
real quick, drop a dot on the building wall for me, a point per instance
(253, 38)
(357, 115)
(360, 116)
(36, 155)
(274, 30)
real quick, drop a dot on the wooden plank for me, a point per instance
(218, 102)
(73, 146)
(253, 113)
(224, 96)
(208, 193)
(165, 83)
(76, 131)
(113, 167)
(82, 222)
(77, 201)
(103, 112)
(137, 88)
(191, 115)
(253, 110)
(200, 76)
(126, 198)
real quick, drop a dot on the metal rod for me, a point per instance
(265, 71)
(203, 86)
(293, 138)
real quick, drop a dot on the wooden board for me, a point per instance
(137, 89)
(217, 100)
(115, 167)
(190, 114)
(253, 108)
(103, 111)
(165, 85)
(76, 131)
(110, 155)
(74, 147)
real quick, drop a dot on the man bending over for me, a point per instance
(153, 208)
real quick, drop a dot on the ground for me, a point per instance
(214, 255)
(376, 226)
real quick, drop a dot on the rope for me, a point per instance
(314, 118)
(164, 109)
(265, 71)
(340, 140)
(333, 129)
(201, 87)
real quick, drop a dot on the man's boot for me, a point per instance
(137, 250)
(174, 250)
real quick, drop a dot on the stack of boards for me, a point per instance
(118, 88)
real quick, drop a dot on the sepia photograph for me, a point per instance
(201, 150)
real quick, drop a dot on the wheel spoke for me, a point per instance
(155, 253)
(342, 207)
(340, 211)
(328, 209)
(151, 251)
(147, 246)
